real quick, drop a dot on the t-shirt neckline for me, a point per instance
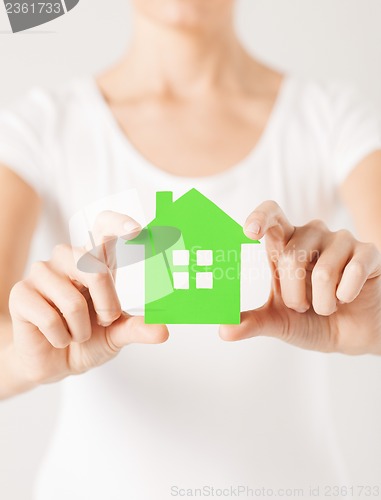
(145, 166)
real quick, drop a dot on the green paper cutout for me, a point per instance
(192, 224)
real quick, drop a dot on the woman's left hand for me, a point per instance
(326, 287)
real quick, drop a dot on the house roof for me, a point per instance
(197, 207)
(192, 212)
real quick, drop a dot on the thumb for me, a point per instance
(260, 322)
(132, 330)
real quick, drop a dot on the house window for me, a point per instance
(204, 257)
(204, 280)
(181, 280)
(180, 257)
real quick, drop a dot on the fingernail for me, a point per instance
(131, 227)
(253, 227)
(302, 310)
(104, 324)
(103, 321)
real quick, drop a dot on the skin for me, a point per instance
(186, 66)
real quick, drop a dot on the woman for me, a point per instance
(187, 107)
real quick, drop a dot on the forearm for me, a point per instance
(12, 381)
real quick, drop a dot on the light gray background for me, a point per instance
(325, 39)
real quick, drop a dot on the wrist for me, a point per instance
(13, 380)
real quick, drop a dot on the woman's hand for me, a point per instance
(326, 287)
(66, 321)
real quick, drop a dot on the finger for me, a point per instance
(100, 283)
(328, 270)
(59, 290)
(253, 324)
(36, 312)
(288, 326)
(291, 268)
(132, 329)
(268, 218)
(108, 227)
(365, 264)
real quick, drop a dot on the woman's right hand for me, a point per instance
(66, 321)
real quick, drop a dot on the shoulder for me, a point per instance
(42, 108)
(342, 121)
(334, 114)
(36, 128)
(328, 101)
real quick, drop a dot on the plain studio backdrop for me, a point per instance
(323, 39)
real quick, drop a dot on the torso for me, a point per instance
(194, 410)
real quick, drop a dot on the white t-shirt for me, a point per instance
(196, 412)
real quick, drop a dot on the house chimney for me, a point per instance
(163, 200)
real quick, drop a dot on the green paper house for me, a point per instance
(192, 262)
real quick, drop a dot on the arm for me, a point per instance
(361, 193)
(18, 219)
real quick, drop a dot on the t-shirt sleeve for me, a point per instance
(23, 137)
(356, 130)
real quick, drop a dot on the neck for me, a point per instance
(168, 60)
